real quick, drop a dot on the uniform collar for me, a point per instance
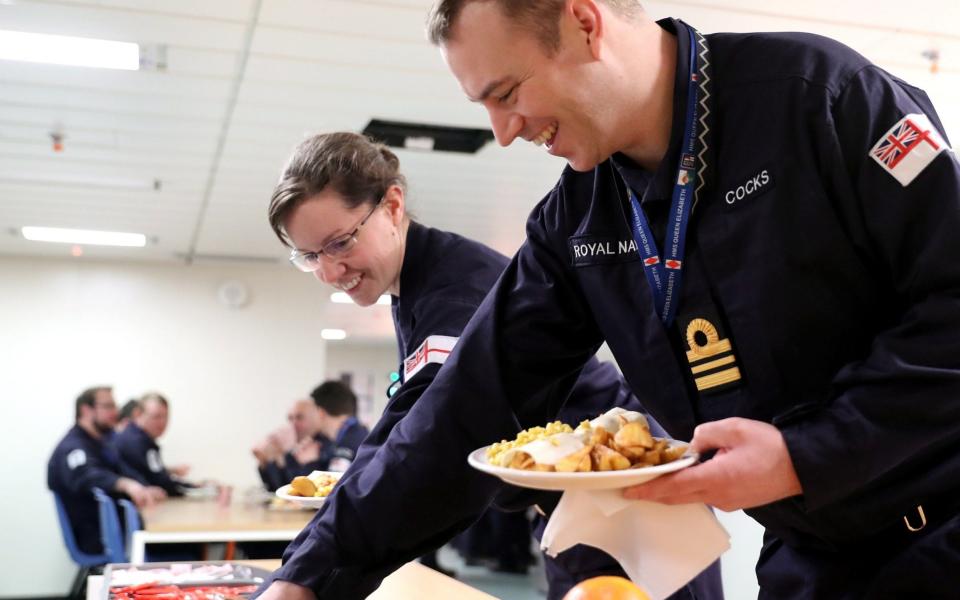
(411, 274)
(134, 429)
(346, 426)
(83, 433)
(658, 186)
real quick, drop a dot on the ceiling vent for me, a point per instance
(417, 136)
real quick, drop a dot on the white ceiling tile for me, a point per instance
(318, 66)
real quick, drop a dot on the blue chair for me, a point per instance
(112, 544)
(131, 523)
(110, 535)
(80, 557)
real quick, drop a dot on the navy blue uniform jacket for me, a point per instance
(443, 280)
(274, 476)
(837, 285)
(140, 459)
(80, 463)
(335, 455)
(344, 448)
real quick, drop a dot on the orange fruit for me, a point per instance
(606, 587)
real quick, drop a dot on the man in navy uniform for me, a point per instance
(295, 450)
(436, 280)
(138, 450)
(809, 202)
(337, 421)
(81, 462)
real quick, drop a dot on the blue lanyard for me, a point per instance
(664, 275)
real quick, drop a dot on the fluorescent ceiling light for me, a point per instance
(344, 298)
(333, 334)
(81, 181)
(68, 50)
(84, 236)
(421, 142)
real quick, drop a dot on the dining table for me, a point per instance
(183, 520)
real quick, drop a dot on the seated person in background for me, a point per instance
(294, 450)
(130, 411)
(81, 462)
(337, 420)
(138, 450)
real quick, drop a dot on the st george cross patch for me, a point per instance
(908, 148)
(435, 349)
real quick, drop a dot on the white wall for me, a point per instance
(739, 562)
(229, 374)
(369, 364)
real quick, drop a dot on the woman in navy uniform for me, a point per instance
(337, 185)
(814, 341)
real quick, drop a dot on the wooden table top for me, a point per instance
(412, 581)
(183, 514)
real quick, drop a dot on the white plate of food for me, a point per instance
(558, 457)
(310, 491)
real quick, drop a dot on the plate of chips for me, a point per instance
(615, 450)
(310, 490)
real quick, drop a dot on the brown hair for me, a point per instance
(354, 166)
(88, 398)
(540, 17)
(335, 397)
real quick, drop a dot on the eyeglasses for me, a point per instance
(309, 262)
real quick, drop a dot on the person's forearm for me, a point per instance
(125, 485)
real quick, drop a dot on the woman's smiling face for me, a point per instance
(371, 267)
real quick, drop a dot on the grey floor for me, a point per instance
(531, 586)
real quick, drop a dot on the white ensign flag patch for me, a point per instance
(435, 349)
(908, 147)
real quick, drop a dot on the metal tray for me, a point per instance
(242, 574)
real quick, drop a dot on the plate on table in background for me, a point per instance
(204, 492)
(592, 480)
(305, 501)
(319, 479)
(277, 504)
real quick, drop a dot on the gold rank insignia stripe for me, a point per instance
(711, 357)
